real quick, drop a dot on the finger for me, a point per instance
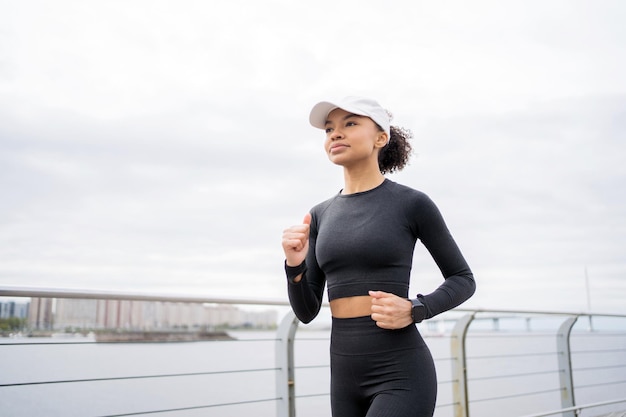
(383, 325)
(376, 294)
(385, 322)
(300, 228)
(295, 244)
(380, 294)
(375, 315)
(307, 219)
(377, 318)
(294, 234)
(383, 305)
(381, 298)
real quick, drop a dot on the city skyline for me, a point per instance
(61, 314)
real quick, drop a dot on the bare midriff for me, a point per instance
(350, 307)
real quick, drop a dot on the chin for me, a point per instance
(336, 161)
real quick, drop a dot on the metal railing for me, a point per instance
(521, 369)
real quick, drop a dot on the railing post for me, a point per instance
(459, 366)
(564, 355)
(285, 382)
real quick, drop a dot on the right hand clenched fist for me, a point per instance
(296, 241)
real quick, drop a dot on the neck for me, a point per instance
(357, 182)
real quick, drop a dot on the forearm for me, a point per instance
(452, 292)
(305, 300)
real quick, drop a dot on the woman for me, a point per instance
(360, 243)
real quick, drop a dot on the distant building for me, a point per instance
(142, 315)
(12, 309)
(40, 313)
(74, 313)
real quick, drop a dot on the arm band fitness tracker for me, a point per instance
(418, 310)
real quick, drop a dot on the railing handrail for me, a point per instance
(41, 292)
(576, 408)
(286, 335)
(95, 294)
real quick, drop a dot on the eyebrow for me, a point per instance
(346, 117)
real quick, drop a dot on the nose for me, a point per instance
(336, 134)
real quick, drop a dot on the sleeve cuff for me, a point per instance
(294, 271)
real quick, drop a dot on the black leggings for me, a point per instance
(380, 373)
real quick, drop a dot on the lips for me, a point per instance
(337, 147)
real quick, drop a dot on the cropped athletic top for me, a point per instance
(365, 241)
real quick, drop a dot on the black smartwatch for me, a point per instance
(418, 311)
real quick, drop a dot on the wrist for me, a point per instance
(418, 310)
(293, 272)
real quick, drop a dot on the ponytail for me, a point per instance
(395, 155)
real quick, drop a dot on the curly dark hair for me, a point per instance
(395, 155)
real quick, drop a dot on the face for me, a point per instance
(352, 139)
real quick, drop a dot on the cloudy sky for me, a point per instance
(163, 146)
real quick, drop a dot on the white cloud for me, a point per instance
(164, 146)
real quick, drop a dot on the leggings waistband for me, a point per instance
(361, 336)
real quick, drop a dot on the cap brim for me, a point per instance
(319, 113)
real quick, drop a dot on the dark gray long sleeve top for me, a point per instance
(365, 241)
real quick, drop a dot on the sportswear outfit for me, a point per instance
(365, 241)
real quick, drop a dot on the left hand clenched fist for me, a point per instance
(390, 311)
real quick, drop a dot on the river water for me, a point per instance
(227, 372)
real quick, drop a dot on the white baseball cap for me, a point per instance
(357, 105)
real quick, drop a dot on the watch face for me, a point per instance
(418, 311)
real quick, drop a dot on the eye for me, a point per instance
(350, 123)
(328, 130)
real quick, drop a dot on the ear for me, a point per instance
(382, 140)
